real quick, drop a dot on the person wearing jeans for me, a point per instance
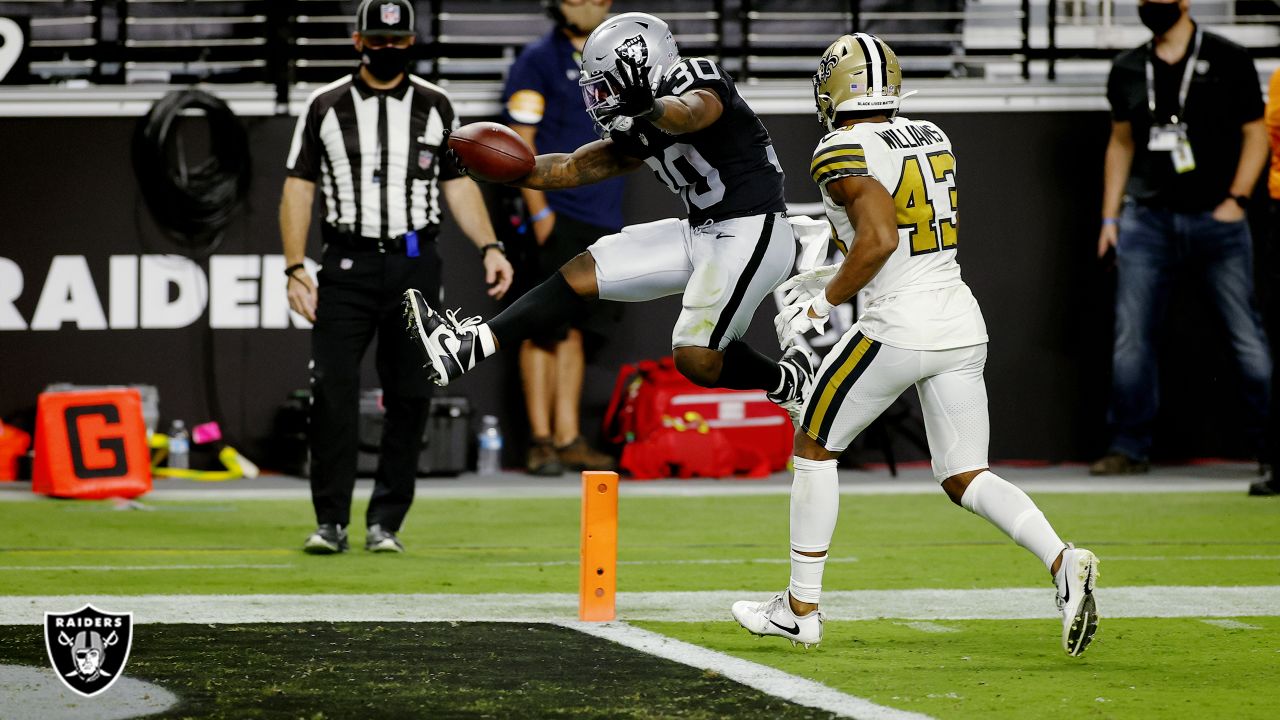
(1187, 145)
(1154, 245)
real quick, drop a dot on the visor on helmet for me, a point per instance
(598, 94)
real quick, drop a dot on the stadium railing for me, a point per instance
(281, 43)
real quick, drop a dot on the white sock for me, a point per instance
(815, 504)
(1004, 505)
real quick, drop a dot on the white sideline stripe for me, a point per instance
(912, 482)
(1131, 558)
(927, 627)
(107, 568)
(1231, 624)
(931, 604)
(770, 681)
(702, 561)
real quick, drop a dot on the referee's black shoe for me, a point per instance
(381, 541)
(328, 539)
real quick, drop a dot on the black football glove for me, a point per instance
(455, 162)
(635, 97)
(638, 138)
(452, 160)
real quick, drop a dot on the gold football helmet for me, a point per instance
(857, 73)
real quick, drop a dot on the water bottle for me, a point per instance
(489, 460)
(179, 446)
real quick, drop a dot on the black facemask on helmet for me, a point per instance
(385, 63)
(1159, 17)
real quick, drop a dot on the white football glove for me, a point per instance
(806, 285)
(794, 321)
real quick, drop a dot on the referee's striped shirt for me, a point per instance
(377, 154)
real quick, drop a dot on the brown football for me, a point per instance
(492, 152)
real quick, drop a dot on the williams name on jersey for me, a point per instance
(917, 301)
(726, 170)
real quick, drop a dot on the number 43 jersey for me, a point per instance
(917, 301)
(725, 170)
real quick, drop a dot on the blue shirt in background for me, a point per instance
(542, 91)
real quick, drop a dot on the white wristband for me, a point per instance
(820, 305)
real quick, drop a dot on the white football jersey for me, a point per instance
(917, 301)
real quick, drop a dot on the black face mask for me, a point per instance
(385, 63)
(1159, 17)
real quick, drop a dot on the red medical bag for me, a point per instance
(674, 428)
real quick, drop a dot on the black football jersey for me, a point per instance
(725, 170)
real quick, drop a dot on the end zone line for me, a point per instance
(768, 680)
(709, 606)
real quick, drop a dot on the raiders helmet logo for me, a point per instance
(88, 648)
(634, 50)
(390, 14)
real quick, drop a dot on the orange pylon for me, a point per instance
(599, 552)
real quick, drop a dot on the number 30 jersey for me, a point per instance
(917, 301)
(725, 170)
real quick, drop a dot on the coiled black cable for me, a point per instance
(194, 204)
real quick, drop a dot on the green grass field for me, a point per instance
(1139, 667)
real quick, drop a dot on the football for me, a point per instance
(492, 152)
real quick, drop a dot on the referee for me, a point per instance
(374, 141)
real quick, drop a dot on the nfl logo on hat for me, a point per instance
(390, 14)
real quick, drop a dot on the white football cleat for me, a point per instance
(797, 377)
(450, 346)
(774, 617)
(1075, 580)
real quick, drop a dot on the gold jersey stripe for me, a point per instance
(842, 170)
(823, 404)
(853, 153)
(840, 244)
(817, 168)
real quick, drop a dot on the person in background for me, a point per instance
(1187, 145)
(382, 216)
(1270, 486)
(545, 106)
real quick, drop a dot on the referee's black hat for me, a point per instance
(385, 17)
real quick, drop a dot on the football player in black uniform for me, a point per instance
(684, 119)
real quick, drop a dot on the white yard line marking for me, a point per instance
(770, 681)
(928, 627)
(911, 482)
(702, 561)
(1231, 624)
(933, 604)
(1159, 558)
(109, 568)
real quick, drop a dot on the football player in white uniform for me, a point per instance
(889, 187)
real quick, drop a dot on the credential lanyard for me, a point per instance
(1186, 79)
